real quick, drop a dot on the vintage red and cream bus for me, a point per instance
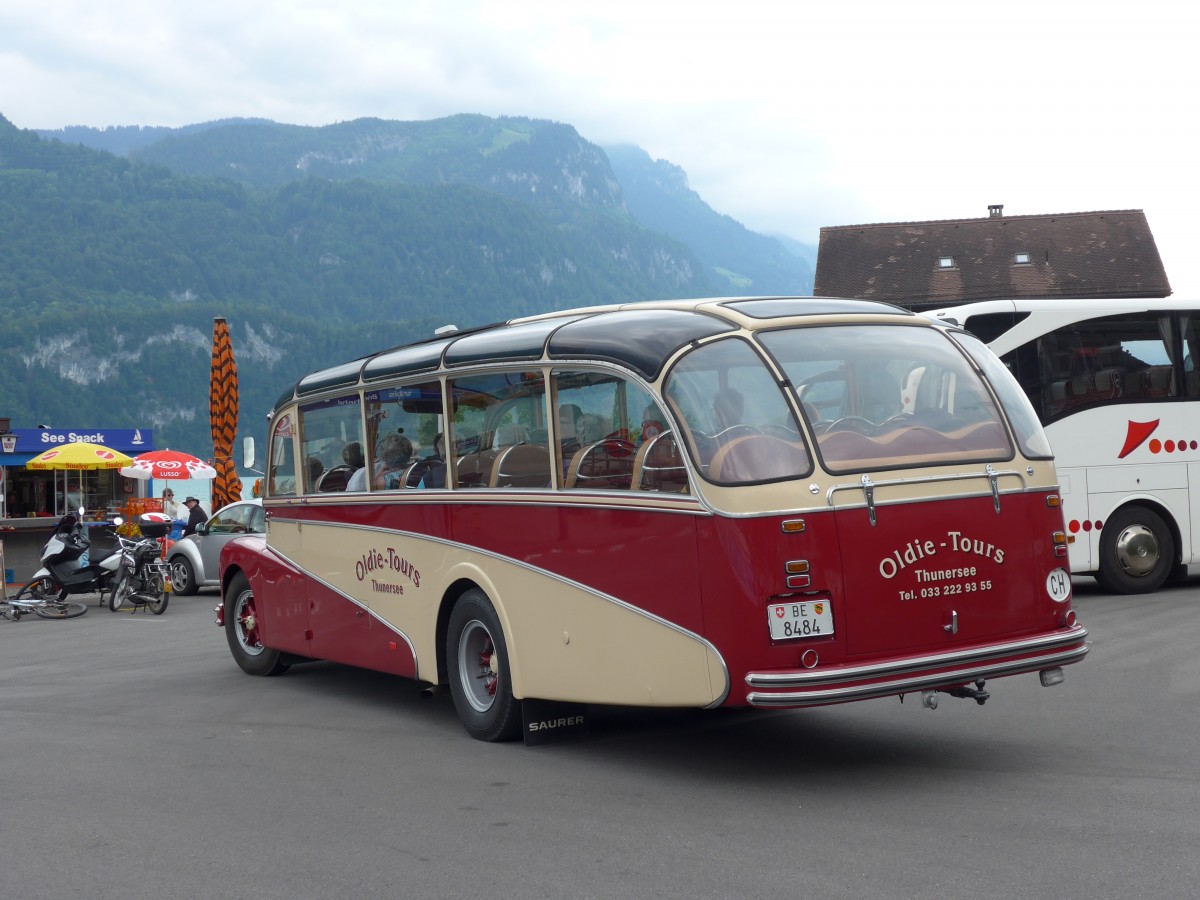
(764, 502)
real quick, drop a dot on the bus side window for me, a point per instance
(281, 479)
(499, 431)
(403, 445)
(603, 421)
(327, 429)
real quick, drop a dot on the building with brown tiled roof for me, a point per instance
(940, 263)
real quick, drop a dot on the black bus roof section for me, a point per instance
(406, 360)
(524, 341)
(640, 339)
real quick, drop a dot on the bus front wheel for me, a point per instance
(1137, 552)
(480, 680)
(241, 631)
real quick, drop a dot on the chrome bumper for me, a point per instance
(816, 687)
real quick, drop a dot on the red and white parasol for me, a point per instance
(168, 465)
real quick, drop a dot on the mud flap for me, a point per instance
(552, 722)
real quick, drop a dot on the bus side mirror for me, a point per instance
(248, 452)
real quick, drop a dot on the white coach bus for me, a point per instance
(1115, 385)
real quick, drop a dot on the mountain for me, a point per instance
(657, 194)
(318, 245)
(502, 155)
(112, 269)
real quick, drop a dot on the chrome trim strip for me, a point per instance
(927, 479)
(922, 682)
(645, 501)
(972, 655)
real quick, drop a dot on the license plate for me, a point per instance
(800, 619)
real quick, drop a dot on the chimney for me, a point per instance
(996, 210)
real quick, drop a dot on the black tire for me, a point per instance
(43, 589)
(183, 577)
(158, 590)
(477, 664)
(120, 592)
(61, 609)
(1137, 552)
(241, 631)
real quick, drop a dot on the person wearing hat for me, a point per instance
(196, 516)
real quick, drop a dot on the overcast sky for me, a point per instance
(785, 115)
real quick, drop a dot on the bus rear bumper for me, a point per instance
(928, 672)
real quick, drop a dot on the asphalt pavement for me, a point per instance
(138, 761)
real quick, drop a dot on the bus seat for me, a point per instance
(475, 469)
(658, 466)
(521, 465)
(1158, 381)
(981, 436)
(406, 480)
(757, 457)
(509, 434)
(1108, 384)
(334, 479)
(604, 464)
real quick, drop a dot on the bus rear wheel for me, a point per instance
(1137, 552)
(480, 679)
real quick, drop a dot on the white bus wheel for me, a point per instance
(1137, 552)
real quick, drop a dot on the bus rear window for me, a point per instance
(880, 396)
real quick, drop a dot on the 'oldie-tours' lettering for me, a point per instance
(387, 561)
(956, 542)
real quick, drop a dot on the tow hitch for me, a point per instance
(929, 699)
(977, 693)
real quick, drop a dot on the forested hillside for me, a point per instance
(541, 163)
(112, 269)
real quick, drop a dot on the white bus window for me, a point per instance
(499, 432)
(906, 397)
(1191, 350)
(330, 430)
(740, 429)
(1099, 361)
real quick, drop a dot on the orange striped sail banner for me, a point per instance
(223, 416)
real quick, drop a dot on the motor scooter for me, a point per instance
(63, 573)
(141, 578)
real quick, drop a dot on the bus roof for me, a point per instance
(1019, 320)
(640, 336)
(1088, 308)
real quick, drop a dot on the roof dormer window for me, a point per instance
(945, 262)
(1021, 259)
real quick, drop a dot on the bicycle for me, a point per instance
(43, 597)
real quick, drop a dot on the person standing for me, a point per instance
(196, 516)
(170, 507)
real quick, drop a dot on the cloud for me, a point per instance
(786, 116)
